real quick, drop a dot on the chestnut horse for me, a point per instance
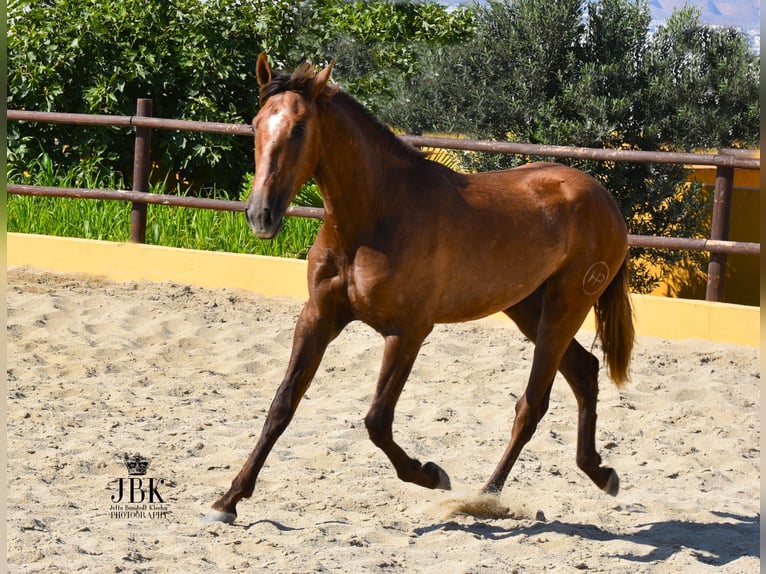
(407, 243)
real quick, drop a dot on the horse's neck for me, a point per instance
(355, 171)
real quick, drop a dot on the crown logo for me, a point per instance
(136, 464)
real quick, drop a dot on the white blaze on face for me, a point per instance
(272, 130)
(276, 124)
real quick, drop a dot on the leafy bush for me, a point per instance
(193, 58)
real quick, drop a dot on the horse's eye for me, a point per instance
(299, 130)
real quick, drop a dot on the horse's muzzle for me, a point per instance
(265, 222)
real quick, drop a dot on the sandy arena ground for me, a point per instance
(184, 375)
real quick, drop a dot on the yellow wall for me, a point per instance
(742, 284)
(124, 262)
(655, 316)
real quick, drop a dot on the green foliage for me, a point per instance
(702, 85)
(67, 218)
(226, 231)
(373, 43)
(309, 196)
(194, 58)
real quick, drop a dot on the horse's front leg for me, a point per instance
(398, 357)
(313, 333)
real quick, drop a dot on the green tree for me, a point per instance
(375, 43)
(702, 85)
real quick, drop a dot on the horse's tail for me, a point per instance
(614, 325)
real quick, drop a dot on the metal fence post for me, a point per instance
(142, 164)
(719, 230)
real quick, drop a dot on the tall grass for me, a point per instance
(225, 231)
(67, 217)
(169, 226)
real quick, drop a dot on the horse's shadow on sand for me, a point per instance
(713, 543)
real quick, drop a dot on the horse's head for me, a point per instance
(286, 143)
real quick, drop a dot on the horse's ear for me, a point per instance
(320, 81)
(263, 70)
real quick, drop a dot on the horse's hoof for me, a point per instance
(218, 516)
(612, 486)
(444, 481)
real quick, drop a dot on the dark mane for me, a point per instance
(392, 141)
(300, 81)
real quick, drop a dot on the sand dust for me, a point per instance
(184, 375)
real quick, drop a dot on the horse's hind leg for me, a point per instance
(580, 369)
(398, 357)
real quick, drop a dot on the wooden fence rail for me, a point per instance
(718, 245)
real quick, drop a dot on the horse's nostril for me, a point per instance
(260, 217)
